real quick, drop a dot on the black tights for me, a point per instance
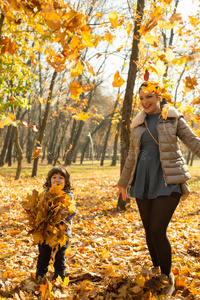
(156, 215)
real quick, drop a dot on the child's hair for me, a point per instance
(63, 172)
(163, 100)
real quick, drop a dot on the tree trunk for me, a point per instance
(9, 152)
(5, 146)
(188, 157)
(107, 134)
(44, 122)
(192, 159)
(57, 154)
(114, 157)
(1, 23)
(127, 103)
(19, 154)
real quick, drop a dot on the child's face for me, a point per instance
(57, 179)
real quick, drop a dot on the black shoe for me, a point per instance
(62, 275)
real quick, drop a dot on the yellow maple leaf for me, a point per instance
(165, 112)
(7, 120)
(109, 38)
(159, 67)
(118, 80)
(81, 116)
(151, 40)
(113, 17)
(194, 21)
(87, 39)
(99, 15)
(77, 70)
(76, 90)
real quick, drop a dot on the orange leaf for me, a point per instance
(118, 80)
(146, 75)
(78, 70)
(99, 15)
(76, 90)
(190, 83)
(36, 152)
(25, 124)
(7, 120)
(89, 68)
(35, 128)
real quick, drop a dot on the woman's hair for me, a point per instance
(63, 172)
(163, 101)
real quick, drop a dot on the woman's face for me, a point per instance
(57, 179)
(150, 102)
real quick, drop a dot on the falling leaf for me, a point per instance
(165, 112)
(194, 21)
(118, 80)
(35, 128)
(25, 124)
(81, 116)
(99, 15)
(113, 17)
(159, 67)
(89, 68)
(77, 70)
(146, 75)
(190, 83)
(42, 100)
(36, 152)
(7, 120)
(175, 17)
(76, 90)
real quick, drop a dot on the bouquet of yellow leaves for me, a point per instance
(46, 213)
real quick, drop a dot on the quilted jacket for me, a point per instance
(170, 130)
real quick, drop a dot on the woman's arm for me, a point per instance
(188, 137)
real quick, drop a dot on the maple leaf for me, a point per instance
(146, 75)
(118, 80)
(89, 68)
(165, 112)
(76, 90)
(113, 17)
(190, 83)
(81, 116)
(36, 152)
(78, 70)
(25, 124)
(7, 120)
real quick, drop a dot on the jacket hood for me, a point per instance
(139, 119)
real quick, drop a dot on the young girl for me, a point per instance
(56, 176)
(156, 171)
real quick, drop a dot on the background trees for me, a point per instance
(70, 69)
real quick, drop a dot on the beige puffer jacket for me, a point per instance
(173, 164)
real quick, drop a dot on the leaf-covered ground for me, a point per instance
(107, 257)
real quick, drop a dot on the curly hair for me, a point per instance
(63, 172)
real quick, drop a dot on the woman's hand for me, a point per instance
(122, 191)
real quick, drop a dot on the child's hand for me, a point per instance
(122, 191)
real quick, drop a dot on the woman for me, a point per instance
(156, 171)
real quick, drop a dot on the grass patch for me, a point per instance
(86, 168)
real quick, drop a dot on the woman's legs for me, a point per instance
(156, 215)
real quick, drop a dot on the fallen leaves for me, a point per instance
(108, 253)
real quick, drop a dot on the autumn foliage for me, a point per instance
(107, 257)
(46, 213)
